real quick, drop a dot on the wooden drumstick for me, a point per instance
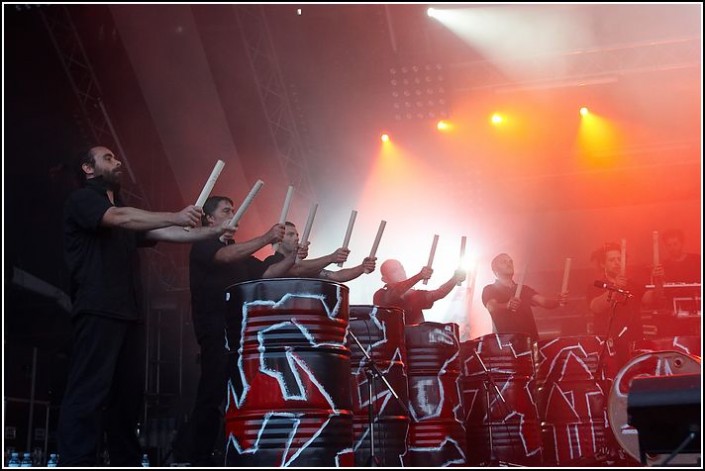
(520, 286)
(432, 255)
(463, 241)
(378, 238)
(348, 232)
(566, 274)
(309, 224)
(285, 210)
(208, 187)
(246, 203)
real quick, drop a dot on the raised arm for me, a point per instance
(234, 252)
(398, 289)
(368, 265)
(447, 287)
(141, 220)
(281, 268)
(178, 234)
(312, 268)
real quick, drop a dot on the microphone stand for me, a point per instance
(492, 459)
(372, 370)
(600, 372)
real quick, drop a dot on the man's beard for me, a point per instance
(113, 178)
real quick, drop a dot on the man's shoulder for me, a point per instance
(275, 257)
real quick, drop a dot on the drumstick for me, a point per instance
(520, 286)
(566, 274)
(432, 255)
(309, 223)
(246, 203)
(463, 241)
(348, 232)
(375, 245)
(285, 210)
(210, 183)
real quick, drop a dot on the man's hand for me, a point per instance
(190, 216)
(276, 233)
(369, 264)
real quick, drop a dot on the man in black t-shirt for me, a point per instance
(213, 266)
(509, 313)
(106, 377)
(398, 292)
(315, 268)
(677, 265)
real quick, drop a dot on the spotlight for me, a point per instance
(432, 12)
(497, 119)
(584, 111)
(385, 137)
(443, 125)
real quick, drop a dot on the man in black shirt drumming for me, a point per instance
(101, 237)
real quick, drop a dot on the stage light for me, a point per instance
(385, 137)
(431, 12)
(298, 11)
(584, 111)
(418, 92)
(443, 125)
(497, 119)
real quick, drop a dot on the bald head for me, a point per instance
(392, 271)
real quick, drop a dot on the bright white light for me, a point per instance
(431, 12)
(298, 11)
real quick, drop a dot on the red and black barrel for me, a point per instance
(289, 400)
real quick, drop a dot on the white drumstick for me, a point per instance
(566, 274)
(208, 187)
(285, 210)
(375, 245)
(463, 241)
(432, 255)
(246, 203)
(309, 224)
(348, 232)
(210, 183)
(520, 286)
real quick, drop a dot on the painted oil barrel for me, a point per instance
(289, 400)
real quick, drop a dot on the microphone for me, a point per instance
(609, 286)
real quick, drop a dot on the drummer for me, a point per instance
(511, 313)
(615, 305)
(213, 266)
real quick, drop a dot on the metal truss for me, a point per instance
(581, 67)
(275, 101)
(72, 55)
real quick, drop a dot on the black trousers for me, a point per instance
(206, 419)
(106, 381)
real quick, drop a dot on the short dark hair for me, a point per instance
(84, 156)
(210, 205)
(600, 255)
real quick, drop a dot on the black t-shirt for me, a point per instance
(103, 261)
(506, 321)
(413, 303)
(272, 259)
(209, 280)
(684, 271)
